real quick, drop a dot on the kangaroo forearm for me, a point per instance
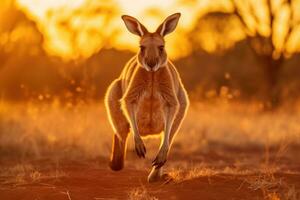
(169, 120)
(129, 107)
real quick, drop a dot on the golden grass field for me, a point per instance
(223, 151)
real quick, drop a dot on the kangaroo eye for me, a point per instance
(142, 48)
(161, 48)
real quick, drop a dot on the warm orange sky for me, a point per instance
(76, 29)
(150, 13)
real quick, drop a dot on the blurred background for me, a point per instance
(239, 50)
(58, 57)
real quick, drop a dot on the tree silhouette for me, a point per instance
(261, 21)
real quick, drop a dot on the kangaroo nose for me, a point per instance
(151, 63)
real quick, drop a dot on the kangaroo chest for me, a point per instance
(150, 102)
(150, 108)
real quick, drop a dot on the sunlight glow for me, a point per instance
(90, 38)
(79, 28)
(39, 8)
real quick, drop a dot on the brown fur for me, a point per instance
(148, 97)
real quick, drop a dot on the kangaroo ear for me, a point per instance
(134, 26)
(168, 25)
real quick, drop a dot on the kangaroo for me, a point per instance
(148, 98)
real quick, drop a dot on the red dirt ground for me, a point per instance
(96, 182)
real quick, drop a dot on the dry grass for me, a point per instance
(179, 175)
(83, 131)
(140, 193)
(273, 188)
(239, 125)
(213, 141)
(60, 131)
(22, 174)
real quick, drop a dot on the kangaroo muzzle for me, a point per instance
(152, 63)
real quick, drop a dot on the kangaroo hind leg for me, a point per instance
(119, 124)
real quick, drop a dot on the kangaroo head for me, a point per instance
(152, 54)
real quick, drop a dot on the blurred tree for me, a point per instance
(26, 71)
(17, 32)
(79, 33)
(270, 28)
